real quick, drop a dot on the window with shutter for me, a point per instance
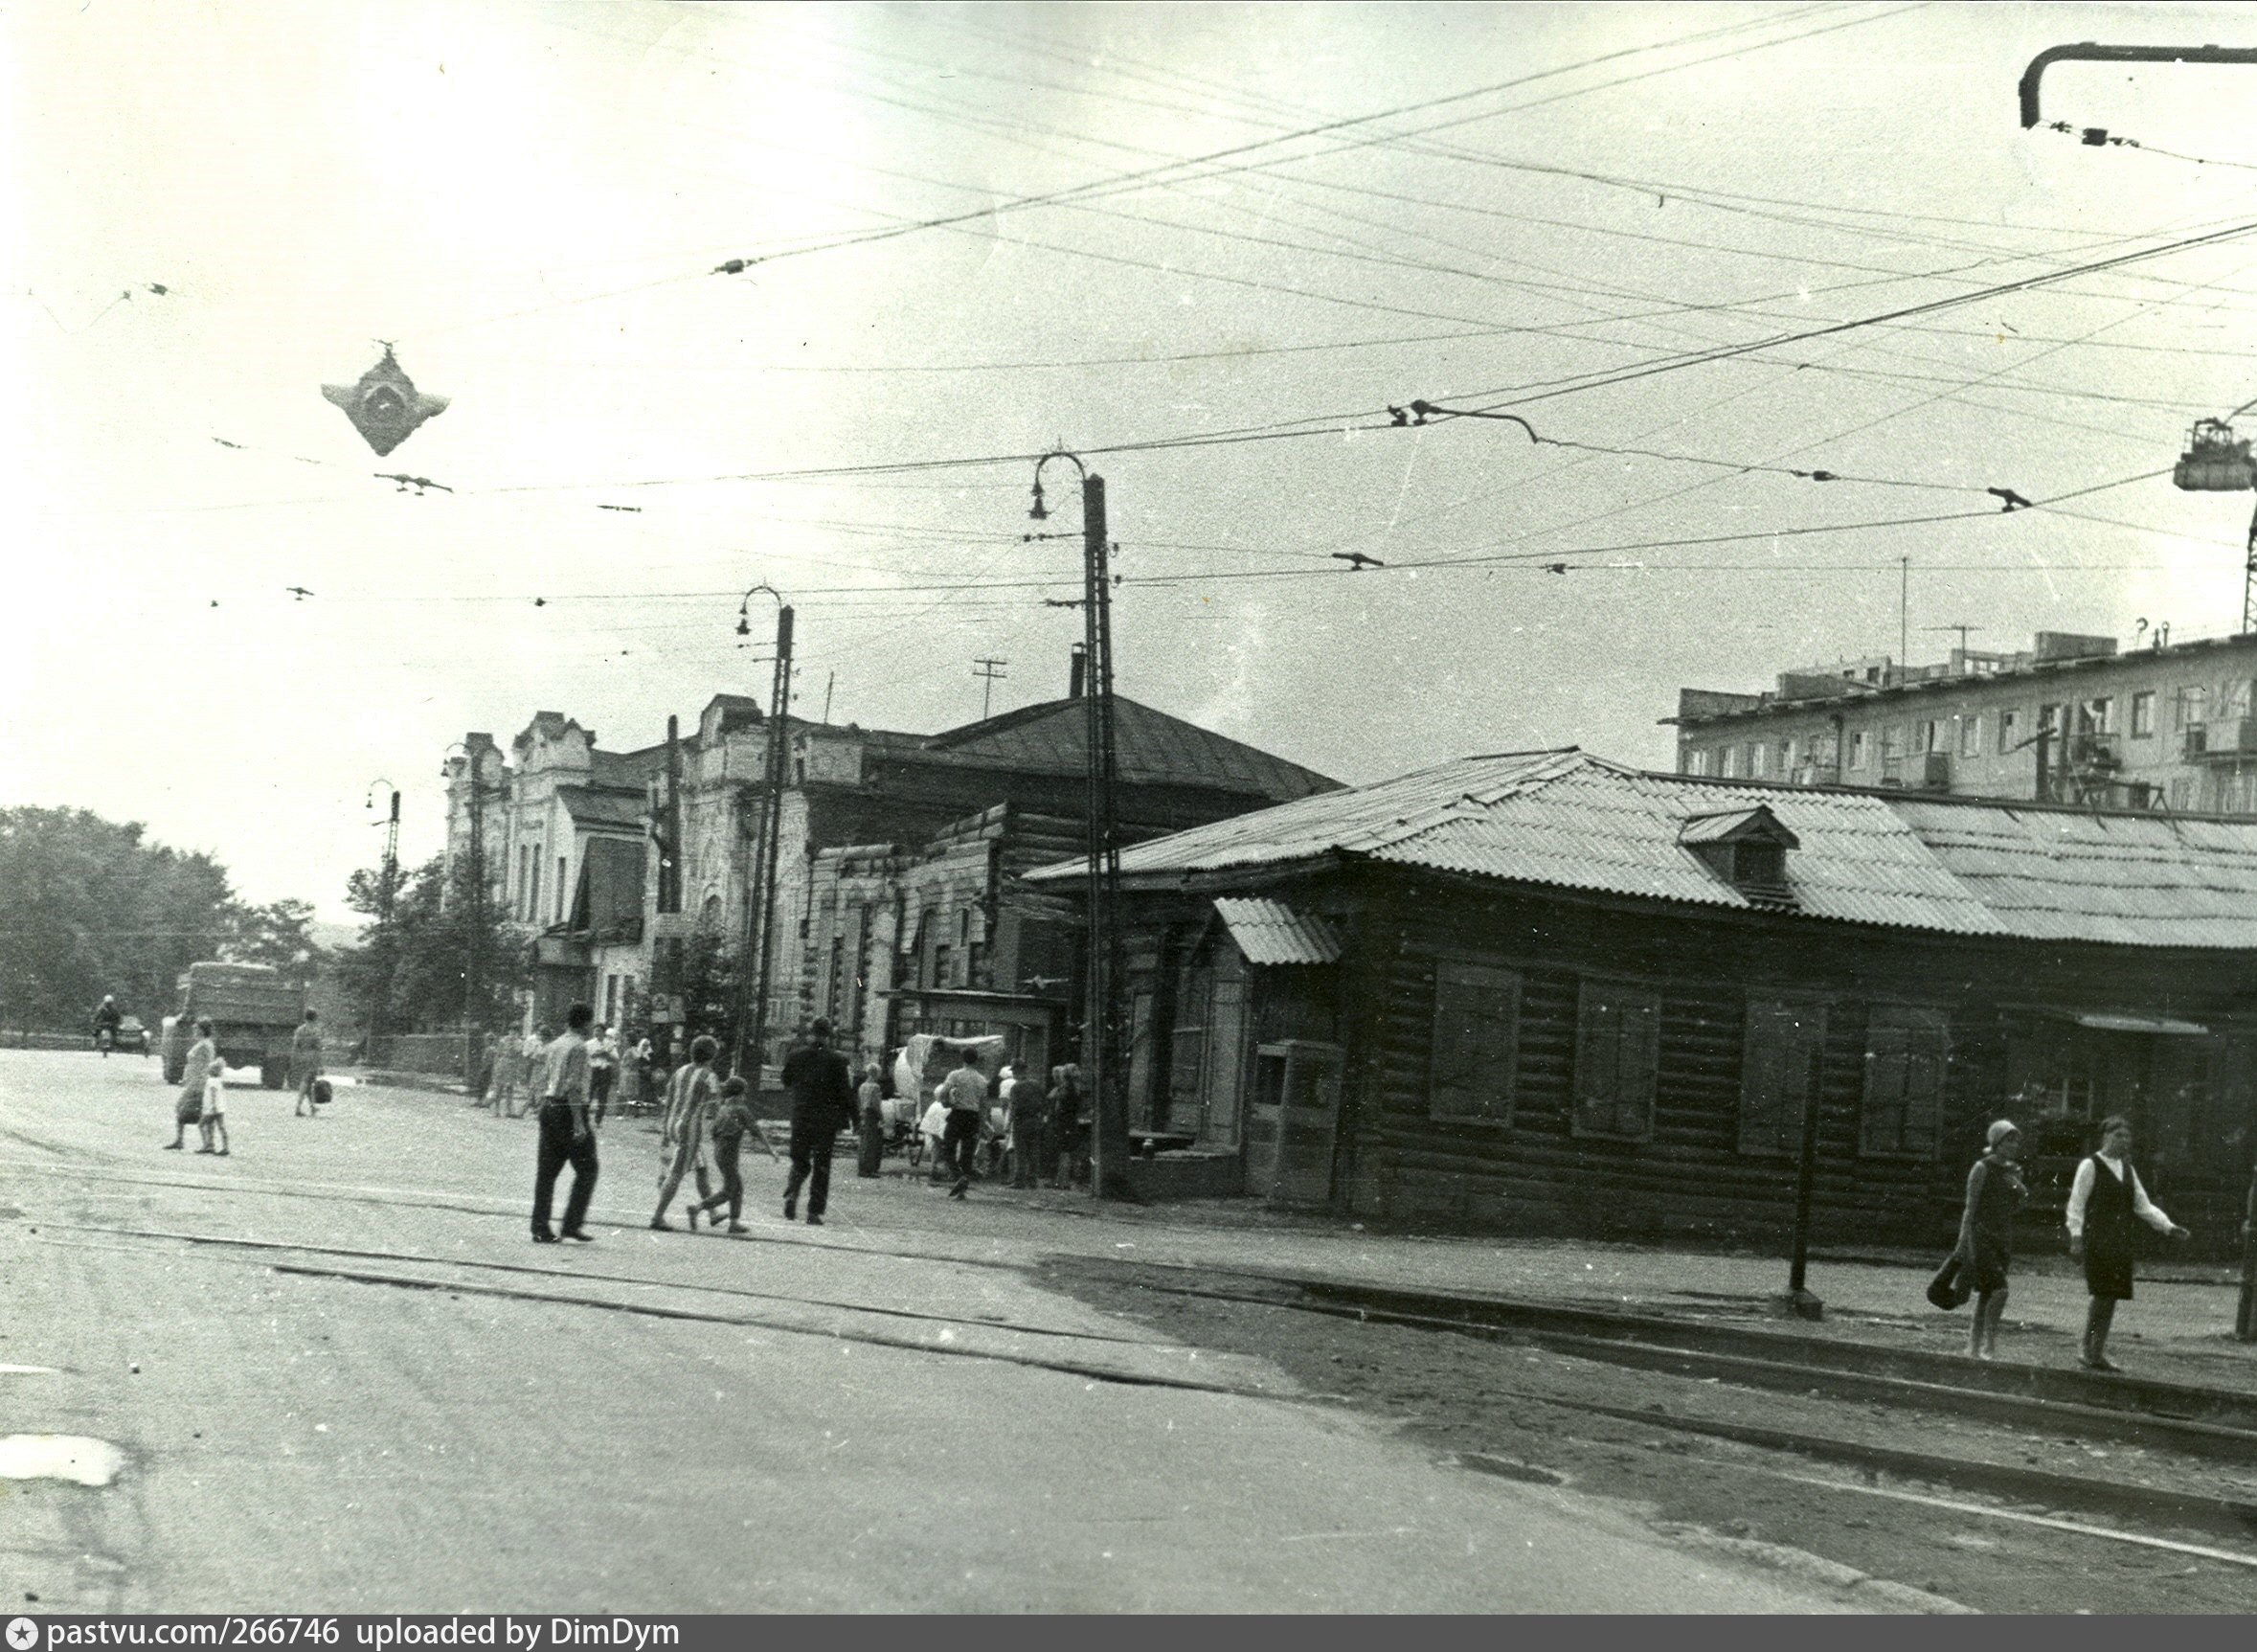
(1778, 1072)
(1618, 1059)
(1475, 1049)
(1906, 1053)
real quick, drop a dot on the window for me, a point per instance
(1758, 761)
(2049, 719)
(1617, 1058)
(1731, 762)
(1695, 764)
(562, 893)
(2233, 698)
(1892, 748)
(1475, 1050)
(2143, 714)
(2182, 792)
(1971, 736)
(2009, 729)
(1905, 1049)
(2097, 716)
(1778, 1072)
(1857, 748)
(533, 893)
(2194, 705)
(1786, 759)
(1932, 734)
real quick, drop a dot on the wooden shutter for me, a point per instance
(1475, 1043)
(1778, 1071)
(1618, 1059)
(1906, 1051)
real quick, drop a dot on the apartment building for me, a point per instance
(2072, 719)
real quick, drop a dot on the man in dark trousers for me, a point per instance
(562, 1071)
(822, 1104)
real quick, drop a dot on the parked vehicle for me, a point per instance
(129, 1035)
(253, 1010)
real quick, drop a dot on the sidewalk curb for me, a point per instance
(1800, 1563)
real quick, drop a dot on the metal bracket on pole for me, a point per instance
(2088, 53)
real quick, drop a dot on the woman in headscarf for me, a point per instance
(1995, 1192)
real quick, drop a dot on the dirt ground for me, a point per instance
(1511, 1409)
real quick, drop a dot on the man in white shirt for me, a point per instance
(565, 1136)
(2103, 1201)
(965, 1093)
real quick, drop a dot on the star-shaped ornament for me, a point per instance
(385, 406)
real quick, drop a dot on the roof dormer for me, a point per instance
(1746, 848)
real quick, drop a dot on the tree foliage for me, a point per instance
(412, 970)
(88, 906)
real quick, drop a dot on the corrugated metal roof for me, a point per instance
(1573, 821)
(603, 809)
(1271, 932)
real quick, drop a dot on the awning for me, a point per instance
(607, 903)
(1271, 932)
(2160, 1024)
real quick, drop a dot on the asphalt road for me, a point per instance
(342, 1379)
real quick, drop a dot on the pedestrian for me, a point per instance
(189, 1108)
(603, 1060)
(1985, 1251)
(107, 1018)
(965, 1094)
(305, 1064)
(689, 1104)
(483, 1093)
(732, 1116)
(642, 1060)
(1029, 1123)
(532, 1051)
(565, 1136)
(213, 1121)
(933, 1126)
(2103, 1201)
(1067, 1122)
(822, 1104)
(870, 1104)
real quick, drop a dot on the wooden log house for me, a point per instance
(1542, 992)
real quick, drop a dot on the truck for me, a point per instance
(254, 1011)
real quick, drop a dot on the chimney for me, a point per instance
(1077, 673)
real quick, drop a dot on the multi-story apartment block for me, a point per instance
(2071, 721)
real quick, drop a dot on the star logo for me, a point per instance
(385, 406)
(22, 1634)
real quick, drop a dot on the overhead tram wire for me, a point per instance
(1139, 179)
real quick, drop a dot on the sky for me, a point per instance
(1206, 248)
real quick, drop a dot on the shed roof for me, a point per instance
(617, 810)
(1271, 932)
(1568, 820)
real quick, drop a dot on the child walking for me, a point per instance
(214, 1123)
(730, 1120)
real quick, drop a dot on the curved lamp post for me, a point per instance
(1104, 972)
(761, 923)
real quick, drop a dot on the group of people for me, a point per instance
(513, 1074)
(2106, 1204)
(1041, 1129)
(707, 1120)
(203, 1085)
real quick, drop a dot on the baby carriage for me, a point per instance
(900, 1114)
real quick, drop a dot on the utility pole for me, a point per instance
(1105, 971)
(991, 672)
(1904, 615)
(2244, 1319)
(768, 849)
(386, 891)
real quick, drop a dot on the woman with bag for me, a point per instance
(1985, 1251)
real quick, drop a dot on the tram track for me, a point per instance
(445, 1276)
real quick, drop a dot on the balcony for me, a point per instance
(2224, 742)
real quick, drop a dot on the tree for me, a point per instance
(87, 907)
(410, 970)
(701, 973)
(278, 935)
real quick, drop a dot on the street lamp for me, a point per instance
(762, 919)
(1100, 1042)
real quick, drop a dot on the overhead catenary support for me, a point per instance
(2087, 52)
(760, 938)
(1104, 972)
